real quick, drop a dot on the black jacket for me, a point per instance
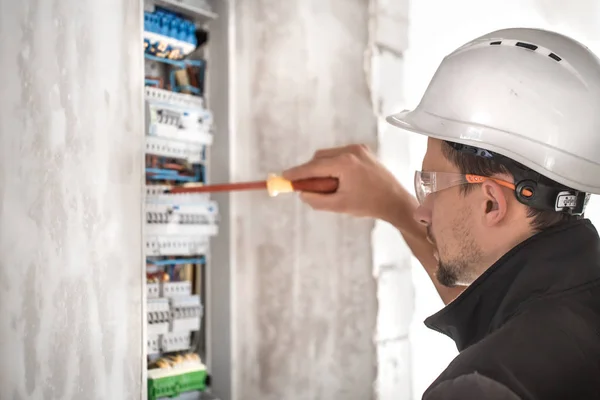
(529, 327)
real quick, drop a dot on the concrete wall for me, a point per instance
(305, 296)
(71, 129)
(391, 257)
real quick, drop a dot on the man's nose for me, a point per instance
(422, 215)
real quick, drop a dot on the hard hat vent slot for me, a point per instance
(527, 46)
(554, 57)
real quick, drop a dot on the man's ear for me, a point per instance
(494, 204)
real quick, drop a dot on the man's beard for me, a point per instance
(451, 273)
(447, 275)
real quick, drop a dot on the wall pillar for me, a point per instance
(392, 258)
(71, 140)
(305, 297)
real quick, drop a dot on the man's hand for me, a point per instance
(366, 188)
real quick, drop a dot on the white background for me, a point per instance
(436, 27)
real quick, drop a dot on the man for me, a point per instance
(513, 152)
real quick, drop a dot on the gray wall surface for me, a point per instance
(71, 135)
(304, 294)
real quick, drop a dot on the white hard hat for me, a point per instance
(528, 94)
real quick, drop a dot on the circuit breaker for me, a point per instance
(178, 227)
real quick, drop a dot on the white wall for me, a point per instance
(436, 27)
(71, 135)
(304, 301)
(391, 257)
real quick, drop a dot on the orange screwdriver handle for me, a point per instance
(316, 185)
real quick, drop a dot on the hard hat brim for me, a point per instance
(544, 162)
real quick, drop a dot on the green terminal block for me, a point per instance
(171, 382)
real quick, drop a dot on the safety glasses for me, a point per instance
(427, 183)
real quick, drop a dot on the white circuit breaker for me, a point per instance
(159, 316)
(179, 117)
(175, 341)
(175, 289)
(186, 313)
(152, 290)
(173, 245)
(153, 344)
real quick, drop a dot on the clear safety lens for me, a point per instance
(431, 182)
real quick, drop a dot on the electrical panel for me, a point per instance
(178, 227)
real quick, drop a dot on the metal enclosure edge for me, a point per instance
(143, 105)
(220, 270)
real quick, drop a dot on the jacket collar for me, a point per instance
(552, 261)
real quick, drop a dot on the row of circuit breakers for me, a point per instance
(172, 317)
(179, 130)
(177, 224)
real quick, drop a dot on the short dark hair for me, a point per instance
(472, 164)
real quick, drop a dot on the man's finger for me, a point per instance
(318, 168)
(322, 202)
(332, 152)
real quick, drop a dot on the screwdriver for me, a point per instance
(274, 185)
